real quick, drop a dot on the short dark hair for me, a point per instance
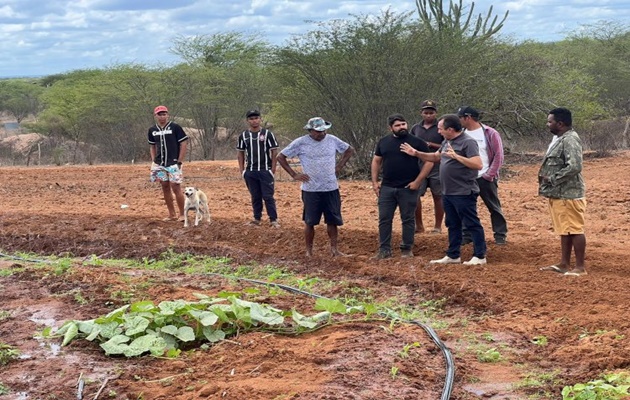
(395, 117)
(451, 121)
(562, 115)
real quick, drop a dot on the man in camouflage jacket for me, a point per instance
(560, 180)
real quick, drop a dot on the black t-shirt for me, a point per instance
(399, 168)
(167, 142)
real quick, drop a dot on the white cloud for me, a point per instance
(53, 36)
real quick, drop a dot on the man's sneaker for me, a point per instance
(447, 260)
(500, 241)
(275, 224)
(475, 261)
(254, 222)
(381, 255)
(406, 254)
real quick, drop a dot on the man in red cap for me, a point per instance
(168, 143)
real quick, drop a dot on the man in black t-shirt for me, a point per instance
(257, 148)
(168, 149)
(399, 188)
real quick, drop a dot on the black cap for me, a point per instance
(428, 104)
(252, 113)
(464, 111)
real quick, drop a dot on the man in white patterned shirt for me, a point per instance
(317, 153)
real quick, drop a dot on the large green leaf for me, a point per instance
(172, 307)
(185, 334)
(116, 345)
(206, 318)
(301, 320)
(213, 335)
(266, 315)
(147, 343)
(71, 332)
(141, 306)
(330, 305)
(136, 325)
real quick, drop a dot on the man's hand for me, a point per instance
(301, 177)
(377, 188)
(406, 148)
(448, 150)
(413, 185)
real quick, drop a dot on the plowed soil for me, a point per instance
(549, 330)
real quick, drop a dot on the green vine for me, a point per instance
(164, 329)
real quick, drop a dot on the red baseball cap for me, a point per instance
(160, 109)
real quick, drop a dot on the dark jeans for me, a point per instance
(462, 211)
(405, 199)
(261, 186)
(489, 193)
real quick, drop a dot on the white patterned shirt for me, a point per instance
(318, 160)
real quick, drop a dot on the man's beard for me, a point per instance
(402, 133)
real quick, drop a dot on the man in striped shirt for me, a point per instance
(257, 148)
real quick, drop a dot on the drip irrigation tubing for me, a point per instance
(450, 364)
(23, 259)
(448, 357)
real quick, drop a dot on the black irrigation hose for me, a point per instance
(450, 364)
(23, 259)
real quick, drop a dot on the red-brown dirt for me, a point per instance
(113, 212)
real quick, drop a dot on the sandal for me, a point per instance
(169, 219)
(553, 268)
(575, 272)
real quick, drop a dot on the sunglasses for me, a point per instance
(162, 113)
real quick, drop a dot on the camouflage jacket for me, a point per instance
(562, 166)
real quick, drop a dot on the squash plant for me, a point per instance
(163, 329)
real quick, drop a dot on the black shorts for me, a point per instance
(318, 203)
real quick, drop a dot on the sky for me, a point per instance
(45, 37)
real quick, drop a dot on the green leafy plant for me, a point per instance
(4, 314)
(489, 356)
(393, 372)
(8, 353)
(3, 389)
(540, 340)
(143, 327)
(610, 387)
(405, 351)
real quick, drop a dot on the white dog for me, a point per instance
(198, 201)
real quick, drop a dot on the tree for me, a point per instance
(225, 75)
(20, 98)
(357, 72)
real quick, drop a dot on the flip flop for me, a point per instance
(553, 268)
(435, 231)
(574, 273)
(169, 219)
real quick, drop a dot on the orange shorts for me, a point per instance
(567, 216)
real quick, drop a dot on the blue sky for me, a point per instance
(44, 37)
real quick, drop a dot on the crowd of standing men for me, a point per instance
(456, 156)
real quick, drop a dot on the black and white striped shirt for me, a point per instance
(257, 147)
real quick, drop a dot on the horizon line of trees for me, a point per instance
(353, 72)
